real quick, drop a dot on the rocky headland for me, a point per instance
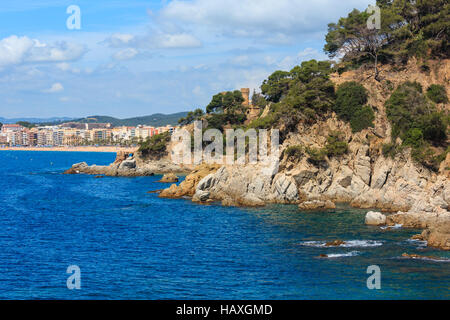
(131, 165)
(415, 196)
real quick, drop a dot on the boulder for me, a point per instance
(316, 205)
(375, 218)
(77, 168)
(438, 236)
(201, 196)
(128, 164)
(169, 178)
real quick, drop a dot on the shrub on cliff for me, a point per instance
(351, 99)
(336, 146)
(155, 146)
(416, 121)
(391, 150)
(315, 155)
(437, 93)
(362, 119)
(294, 152)
(409, 108)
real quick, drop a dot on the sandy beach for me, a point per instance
(72, 149)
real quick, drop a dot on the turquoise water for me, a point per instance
(132, 245)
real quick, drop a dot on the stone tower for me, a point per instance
(246, 94)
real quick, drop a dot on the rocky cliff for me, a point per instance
(363, 177)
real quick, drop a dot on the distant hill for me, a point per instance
(35, 120)
(155, 120)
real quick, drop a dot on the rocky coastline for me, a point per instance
(414, 196)
(130, 165)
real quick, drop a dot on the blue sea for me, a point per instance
(130, 244)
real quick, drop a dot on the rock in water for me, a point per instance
(201, 196)
(316, 205)
(169, 178)
(375, 219)
(335, 243)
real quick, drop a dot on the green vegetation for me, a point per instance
(316, 156)
(259, 100)
(417, 122)
(362, 119)
(227, 102)
(155, 146)
(192, 116)
(437, 93)
(276, 86)
(419, 28)
(26, 124)
(335, 147)
(306, 92)
(391, 150)
(408, 108)
(226, 109)
(351, 98)
(221, 120)
(155, 120)
(294, 152)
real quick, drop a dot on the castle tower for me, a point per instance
(246, 94)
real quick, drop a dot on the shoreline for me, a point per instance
(73, 149)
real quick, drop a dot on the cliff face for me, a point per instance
(363, 177)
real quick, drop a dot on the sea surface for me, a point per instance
(130, 244)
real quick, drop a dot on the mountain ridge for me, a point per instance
(156, 120)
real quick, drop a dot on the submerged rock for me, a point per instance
(335, 243)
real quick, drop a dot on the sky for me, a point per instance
(139, 57)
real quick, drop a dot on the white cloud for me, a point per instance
(258, 18)
(118, 40)
(125, 54)
(56, 87)
(155, 39)
(16, 50)
(175, 41)
(241, 61)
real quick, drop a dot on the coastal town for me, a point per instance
(77, 134)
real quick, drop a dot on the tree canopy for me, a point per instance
(226, 102)
(407, 28)
(192, 116)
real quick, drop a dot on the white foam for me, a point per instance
(420, 243)
(361, 244)
(428, 259)
(342, 255)
(347, 244)
(397, 226)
